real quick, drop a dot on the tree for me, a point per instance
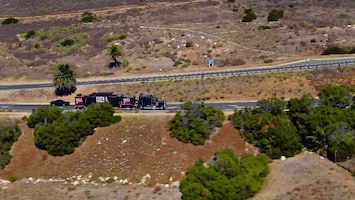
(195, 123)
(43, 115)
(274, 106)
(321, 137)
(225, 176)
(273, 134)
(64, 79)
(302, 105)
(59, 133)
(336, 96)
(115, 50)
(8, 136)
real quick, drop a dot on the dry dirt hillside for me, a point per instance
(130, 161)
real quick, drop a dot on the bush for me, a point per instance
(12, 178)
(177, 63)
(67, 42)
(335, 50)
(249, 15)
(71, 43)
(188, 44)
(261, 28)
(10, 21)
(30, 34)
(109, 37)
(5, 158)
(87, 17)
(125, 63)
(275, 15)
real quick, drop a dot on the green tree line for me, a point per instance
(8, 136)
(59, 133)
(326, 124)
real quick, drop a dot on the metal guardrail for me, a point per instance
(305, 65)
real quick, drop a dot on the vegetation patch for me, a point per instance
(195, 123)
(10, 20)
(59, 133)
(109, 37)
(71, 44)
(8, 136)
(225, 176)
(54, 32)
(268, 128)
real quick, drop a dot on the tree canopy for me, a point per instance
(268, 128)
(59, 133)
(195, 123)
(64, 79)
(225, 176)
(8, 136)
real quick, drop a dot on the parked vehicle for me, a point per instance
(59, 102)
(120, 101)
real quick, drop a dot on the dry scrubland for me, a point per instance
(156, 35)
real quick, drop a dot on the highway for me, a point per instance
(301, 65)
(172, 107)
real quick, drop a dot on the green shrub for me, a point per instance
(125, 63)
(335, 50)
(67, 42)
(30, 34)
(54, 32)
(5, 158)
(10, 21)
(12, 178)
(188, 44)
(87, 17)
(275, 15)
(37, 46)
(110, 180)
(109, 37)
(261, 28)
(249, 15)
(344, 16)
(268, 61)
(71, 44)
(8, 136)
(177, 63)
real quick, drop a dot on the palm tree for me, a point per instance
(321, 137)
(64, 80)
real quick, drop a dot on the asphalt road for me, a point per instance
(301, 65)
(172, 107)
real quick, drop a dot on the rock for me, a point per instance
(175, 184)
(283, 158)
(3, 181)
